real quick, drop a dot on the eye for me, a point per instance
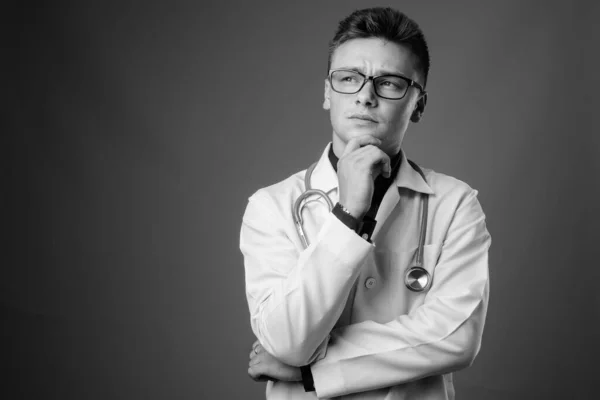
(389, 84)
(346, 77)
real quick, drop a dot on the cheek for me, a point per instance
(337, 104)
(399, 117)
(336, 113)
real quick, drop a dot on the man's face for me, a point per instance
(350, 114)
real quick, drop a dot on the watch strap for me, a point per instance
(345, 217)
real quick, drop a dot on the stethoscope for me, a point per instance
(416, 279)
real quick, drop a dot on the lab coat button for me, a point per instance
(370, 283)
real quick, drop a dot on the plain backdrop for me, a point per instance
(135, 132)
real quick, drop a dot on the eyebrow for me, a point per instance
(378, 72)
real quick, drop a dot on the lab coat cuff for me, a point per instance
(343, 241)
(328, 379)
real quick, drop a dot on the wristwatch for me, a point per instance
(344, 215)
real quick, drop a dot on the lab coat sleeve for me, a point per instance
(440, 336)
(295, 298)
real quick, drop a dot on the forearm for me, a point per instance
(440, 336)
(368, 356)
(292, 313)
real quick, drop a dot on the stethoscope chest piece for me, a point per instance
(417, 279)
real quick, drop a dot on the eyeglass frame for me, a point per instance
(372, 78)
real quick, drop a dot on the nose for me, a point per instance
(366, 95)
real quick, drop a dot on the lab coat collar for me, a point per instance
(406, 177)
(410, 178)
(325, 178)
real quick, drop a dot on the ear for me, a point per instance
(419, 108)
(326, 104)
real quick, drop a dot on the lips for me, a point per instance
(363, 117)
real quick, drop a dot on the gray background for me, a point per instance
(136, 132)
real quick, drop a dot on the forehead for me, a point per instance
(374, 56)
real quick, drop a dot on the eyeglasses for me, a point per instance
(392, 87)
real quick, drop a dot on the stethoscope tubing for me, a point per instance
(412, 277)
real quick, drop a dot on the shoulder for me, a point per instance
(442, 183)
(455, 208)
(448, 189)
(278, 197)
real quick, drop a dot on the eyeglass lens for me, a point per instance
(389, 86)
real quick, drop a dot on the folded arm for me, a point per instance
(441, 336)
(295, 298)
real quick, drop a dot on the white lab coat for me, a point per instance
(341, 305)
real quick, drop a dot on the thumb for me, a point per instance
(387, 168)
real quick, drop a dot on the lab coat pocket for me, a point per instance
(402, 299)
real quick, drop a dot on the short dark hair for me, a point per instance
(385, 23)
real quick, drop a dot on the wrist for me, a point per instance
(356, 211)
(297, 375)
(346, 217)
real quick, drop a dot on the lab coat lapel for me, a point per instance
(410, 178)
(324, 176)
(407, 177)
(388, 203)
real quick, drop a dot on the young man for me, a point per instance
(390, 295)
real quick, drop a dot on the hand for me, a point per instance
(358, 167)
(263, 366)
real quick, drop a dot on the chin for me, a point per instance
(360, 131)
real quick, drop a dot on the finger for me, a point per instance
(361, 157)
(360, 141)
(258, 348)
(254, 374)
(378, 161)
(255, 349)
(257, 375)
(370, 154)
(255, 360)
